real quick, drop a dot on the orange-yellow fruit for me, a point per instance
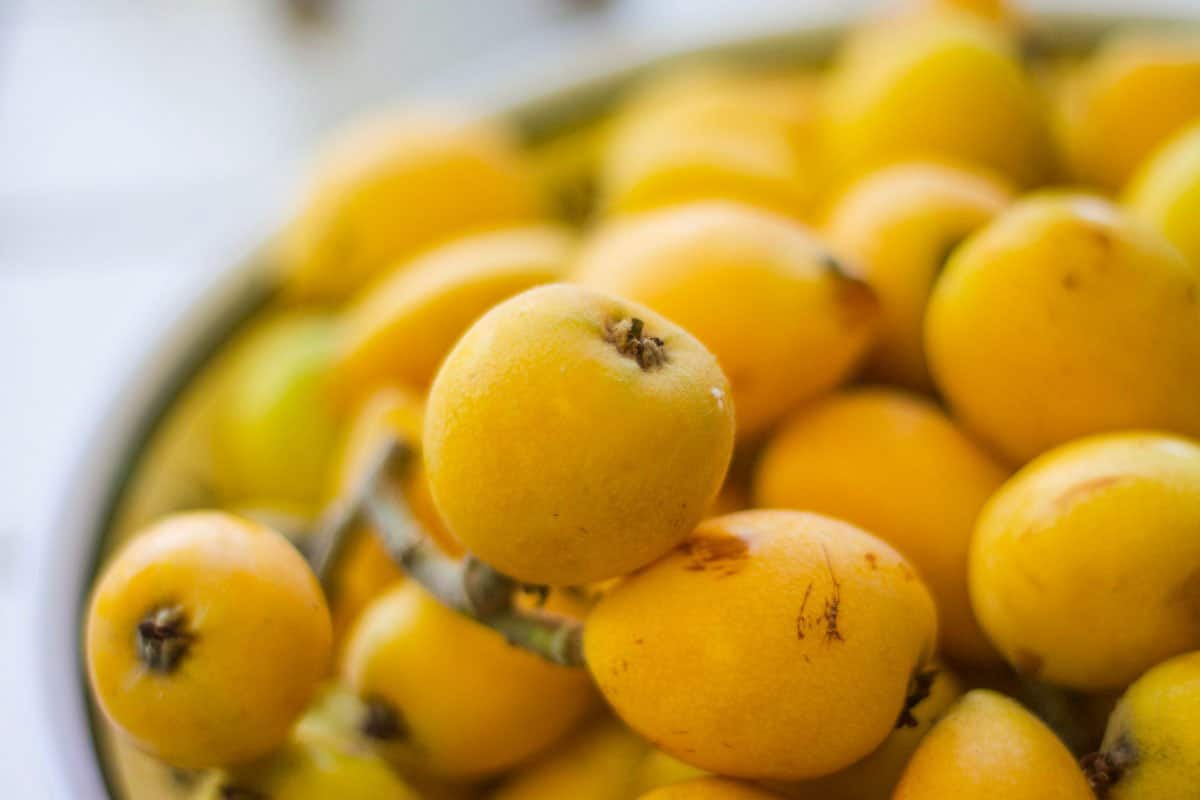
(1136, 91)
(399, 414)
(274, 425)
(874, 777)
(710, 789)
(712, 133)
(1152, 745)
(206, 637)
(1165, 192)
(986, 747)
(1085, 566)
(944, 86)
(897, 227)
(391, 186)
(658, 769)
(572, 437)
(1063, 318)
(596, 763)
(839, 621)
(451, 697)
(399, 330)
(762, 292)
(895, 465)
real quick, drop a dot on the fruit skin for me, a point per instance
(1064, 318)
(896, 227)
(942, 86)
(399, 330)
(1153, 734)
(274, 426)
(874, 777)
(260, 639)
(657, 769)
(597, 763)
(390, 186)
(710, 789)
(895, 465)
(762, 292)
(556, 458)
(1137, 90)
(988, 746)
(1084, 566)
(468, 704)
(311, 769)
(1165, 192)
(708, 132)
(840, 621)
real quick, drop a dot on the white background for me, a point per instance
(144, 142)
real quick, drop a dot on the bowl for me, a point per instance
(126, 468)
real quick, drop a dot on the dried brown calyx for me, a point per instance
(163, 638)
(631, 340)
(382, 721)
(918, 690)
(1105, 768)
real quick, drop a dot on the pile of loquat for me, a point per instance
(826, 433)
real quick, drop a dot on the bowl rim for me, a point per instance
(85, 500)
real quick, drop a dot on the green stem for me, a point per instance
(468, 585)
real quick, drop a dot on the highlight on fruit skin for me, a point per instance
(1062, 318)
(896, 227)
(1152, 744)
(572, 437)
(988, 746)
(206, 637)
(392, 185)
(1085, 566)
(840, 621)
(398, 331)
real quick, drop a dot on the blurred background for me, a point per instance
(145, 146)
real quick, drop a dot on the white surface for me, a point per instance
(139, 138)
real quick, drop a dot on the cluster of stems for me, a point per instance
(467, 585)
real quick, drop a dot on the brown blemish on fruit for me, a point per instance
(833, 604)
(1105, 769)
(802, 621)
(1082, 490)
(1028, 664)
(1070, 281)
(231, 792)
(723, 554)
(1187, 593)
(872, 561)
(628, 336)
(163, 638)
(382, 721)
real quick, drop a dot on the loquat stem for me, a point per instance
(468, 585)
